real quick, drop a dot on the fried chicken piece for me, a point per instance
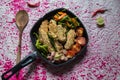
(70, 39)
(46, 41)
(44, 27)
(43, 30)
(61, 33)
(58, 46)
(53, 28)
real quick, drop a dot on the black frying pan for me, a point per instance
(37, 54)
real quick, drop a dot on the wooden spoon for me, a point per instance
(21, 22)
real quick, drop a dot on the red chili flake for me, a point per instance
(30, 4)
(98, 11)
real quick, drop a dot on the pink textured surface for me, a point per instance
(102, 60)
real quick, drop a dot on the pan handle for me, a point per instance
(27, 60)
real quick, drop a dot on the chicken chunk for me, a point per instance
(70, 39)
(43, 30)
(46, 41)
(52, 28)
(61, 33)
(58, 46)
(44, 27)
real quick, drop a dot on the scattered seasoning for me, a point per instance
(98, 11)
(30, 4)
(100, 21)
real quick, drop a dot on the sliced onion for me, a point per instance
(62, 57)
(31, 4)
(50, 57)
(52, 54)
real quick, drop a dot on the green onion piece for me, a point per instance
(52, 41)
(36, 35)
(42, 48)
(64, 18)
(64, 10)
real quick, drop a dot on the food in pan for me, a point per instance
(60, 38)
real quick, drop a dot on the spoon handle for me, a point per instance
(19, 48)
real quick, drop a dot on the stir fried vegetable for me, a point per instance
(57, 56)
(43, 48)
(62, 37)
(59, 16)
(65, 20)
(52, 41)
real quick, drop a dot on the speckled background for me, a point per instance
(102, 60)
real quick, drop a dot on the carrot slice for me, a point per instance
(56, 17)
(60, 13)
(60, 17)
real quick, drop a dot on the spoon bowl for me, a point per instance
(21, 19)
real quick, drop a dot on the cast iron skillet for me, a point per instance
(37, 53)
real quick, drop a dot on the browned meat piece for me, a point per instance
(61, 33)
(46, 41)
(53, 35)
(53, 28)
(43, 35)
(58, 46)
(43, 26)
(70, 39)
